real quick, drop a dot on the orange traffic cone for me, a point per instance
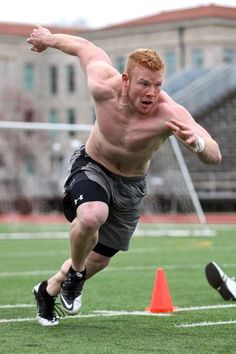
(161, 299)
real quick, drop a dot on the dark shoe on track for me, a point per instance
(71, 291)
(220, 281)
(47, 315)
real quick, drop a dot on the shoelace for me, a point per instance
(58, 310)
(54, 310)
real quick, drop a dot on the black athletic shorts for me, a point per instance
(90, 181)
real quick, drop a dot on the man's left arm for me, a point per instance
(196, 138)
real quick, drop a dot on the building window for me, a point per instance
(170, 62)
(71, 119)
(29, 77)
(70, 77)
(228, 55)
(197, 58)
(120, 64)
(29, 165)
(53, 118)
(53, 79)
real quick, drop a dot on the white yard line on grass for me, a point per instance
(204, 324)
(139, 232)
(95, 314)
(177, 309)
(16, 306)
(209, 307)
(106, 313)
(27, 274)
(114, 269)
(33, 235)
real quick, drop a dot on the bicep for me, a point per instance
(100, 69)
(99, 77)
(89, 54)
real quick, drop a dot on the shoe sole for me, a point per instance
(213, 275)
(45, 322)
(216, 280)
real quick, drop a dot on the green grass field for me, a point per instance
(113, 320)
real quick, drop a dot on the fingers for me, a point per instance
(34, 49)
(182, 131)
(35, 39)
(191, 140)
(179, 124)
(38, 49)
(179, 127)
(34, 30)
(171, 126)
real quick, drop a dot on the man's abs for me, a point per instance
(117, 159)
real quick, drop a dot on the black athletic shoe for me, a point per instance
(220, 281)
(71, 291)
(47, 315)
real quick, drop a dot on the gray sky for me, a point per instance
(95, 13)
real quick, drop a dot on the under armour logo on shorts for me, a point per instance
(81, 197)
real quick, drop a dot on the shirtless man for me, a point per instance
(107, 181)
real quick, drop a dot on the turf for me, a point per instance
(125, 286)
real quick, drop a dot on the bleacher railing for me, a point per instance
(208, 89)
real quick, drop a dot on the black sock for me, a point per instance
(78, 274)
(44, 292)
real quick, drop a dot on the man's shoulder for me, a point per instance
(167, 107)
(165, 98)
(167, 102)
(104, 90)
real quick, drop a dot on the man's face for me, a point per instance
(144, 88)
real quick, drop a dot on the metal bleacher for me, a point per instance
(183, 78)
(211, 99)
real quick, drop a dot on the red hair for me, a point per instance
(146, 57)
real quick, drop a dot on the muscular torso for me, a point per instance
(123, 140)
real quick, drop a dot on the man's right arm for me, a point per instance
(41, 39)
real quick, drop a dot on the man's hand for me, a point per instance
(37, 38)
(184, 133)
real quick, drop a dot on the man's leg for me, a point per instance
(83, 239)
(45, 294)
(46, 291)
(84, 231)
(95, 262)
(54, 283)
